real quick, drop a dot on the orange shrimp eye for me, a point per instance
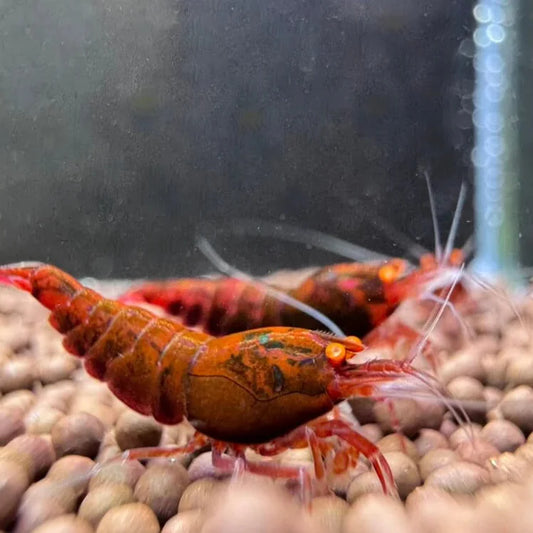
(356, 344)
(428, 262)
(391, 271)
(457, 257)
(336, 353)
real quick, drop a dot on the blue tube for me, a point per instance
(495, 154)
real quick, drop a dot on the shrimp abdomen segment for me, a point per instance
(142, 358)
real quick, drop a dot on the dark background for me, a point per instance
(125, 124)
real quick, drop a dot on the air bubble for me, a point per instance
(496, 33)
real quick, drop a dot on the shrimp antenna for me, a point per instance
(433, 321)
(410, 247)
(318, 239)
(436, 231)
(205, 247)
(455, 222)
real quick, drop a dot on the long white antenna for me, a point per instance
(205, 247)
(436, 231)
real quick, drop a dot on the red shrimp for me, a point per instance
(267, 389)
(356, 297)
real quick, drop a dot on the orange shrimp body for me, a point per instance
(258, 388)
(357, 297)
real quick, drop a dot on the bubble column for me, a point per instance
(495, 154)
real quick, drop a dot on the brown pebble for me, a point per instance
(124, 472)
(13, 482)
(519, 371)
(66, 493)
(395, 442)
(503, 434)
(161, 487)
(42, 418)
(470, 391)
(516, 407)
(507, 467)
(363, 409)
(133, 430)
(365, 483)
(202, 466)
(20, 457)
(19, 400)
(71, 465)
(404, 471)
(462, 433)
(448, 427)
(459, 477)
(328, 513)
(372, 432)
(476, 451)
(432, 509)
(505, 498)
(526, 452)
(430, 439)
(11, 425)
(77, 434)
(129, 518)
(17, 374)
(408, 416)
(98, 501)
(199, 493)
(99, 410)
(373, 513)
(434, 459)
(69, 523)
(186, 522)
(56, 368)
(495, 368)
(75, 470)
(253, 507)
(107, 453)
(466, 362)
(39, 512)
(493, 397)
(40, 451)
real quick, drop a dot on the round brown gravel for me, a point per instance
(504, 435)
(13, 482)
(123, 472)
(199, 493)
(185, 522)
(69, 523)
(136, 431)
(40, 511)
(40, 451)
(161, 487)
(376, 513)
(129, 518)
(99, 500)
(77, 434)
(430, 439)
(460, 477)
(11, 426)
(434, 459)
(42, 418)
(328, 512)
(396, 442)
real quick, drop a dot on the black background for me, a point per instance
(127, 124)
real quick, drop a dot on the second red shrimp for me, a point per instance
(357, 297)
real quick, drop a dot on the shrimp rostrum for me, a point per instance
(267, 389)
